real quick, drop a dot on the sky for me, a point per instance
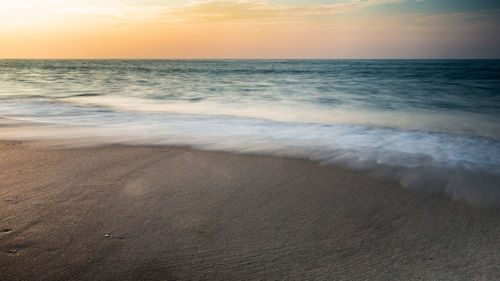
(247, 29)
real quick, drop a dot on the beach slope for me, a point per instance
(165, 213)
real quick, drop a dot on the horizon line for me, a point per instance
(305, 58)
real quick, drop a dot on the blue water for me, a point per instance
(433, 124)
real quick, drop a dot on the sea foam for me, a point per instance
(463, 166)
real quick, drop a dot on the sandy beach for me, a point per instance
(121, 212)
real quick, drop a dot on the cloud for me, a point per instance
(241, 10)
(31, 11)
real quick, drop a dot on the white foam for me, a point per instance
(463, 166)
(292, 112)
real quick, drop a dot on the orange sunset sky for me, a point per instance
(250, 29)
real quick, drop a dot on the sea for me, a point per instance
(433, 125)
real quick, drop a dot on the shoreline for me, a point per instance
(135, 212)
(462, 167)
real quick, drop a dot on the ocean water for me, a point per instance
(432, 124)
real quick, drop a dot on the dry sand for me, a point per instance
(164, 213)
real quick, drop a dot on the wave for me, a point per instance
(462, 166)
(432, 121)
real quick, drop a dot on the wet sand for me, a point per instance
(165, 213)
